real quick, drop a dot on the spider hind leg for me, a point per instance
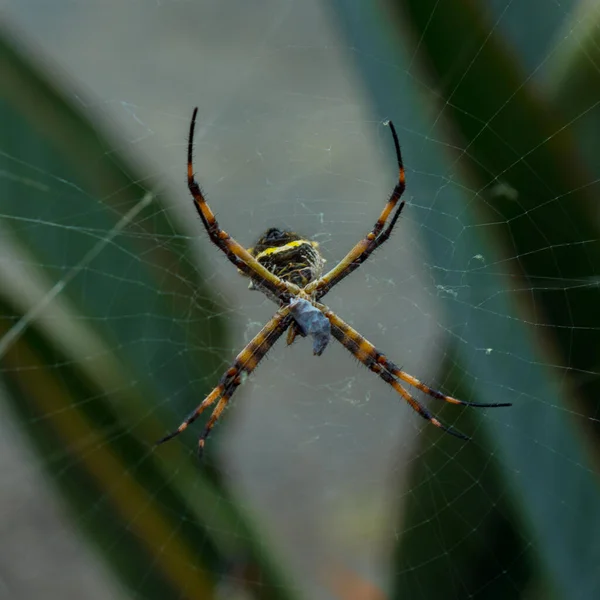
(376, 362)
(244, 364)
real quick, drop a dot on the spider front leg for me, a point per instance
(245, 363)
(377, 236)
(235, 252)
(378, 363)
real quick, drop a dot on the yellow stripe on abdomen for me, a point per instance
(284, 248)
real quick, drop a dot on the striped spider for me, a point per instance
(287, 268)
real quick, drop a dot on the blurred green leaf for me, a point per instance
(103, 471)
(460, 523)
(513, 247)
(107, 336)
(573, 80)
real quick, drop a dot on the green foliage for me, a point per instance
(508, 211)
(93, 284)
(519, 292)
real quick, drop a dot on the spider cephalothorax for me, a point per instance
(287, 268)
(288, 256)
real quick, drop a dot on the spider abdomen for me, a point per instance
(289, 256)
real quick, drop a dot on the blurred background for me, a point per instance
(118, 315)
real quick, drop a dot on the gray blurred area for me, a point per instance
(316, 448)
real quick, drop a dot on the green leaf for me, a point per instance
(514, 247)
(573, 82)
(107, 336)
(461, 528)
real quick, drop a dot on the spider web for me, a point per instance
(317, 450)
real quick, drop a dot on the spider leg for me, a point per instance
(377, 236)
(350, 268)
(193, 415)
(419, 408)
(400, 374)
(292, 333)
(215, 417)
(245, 363)
(376, 362)
(234, 251)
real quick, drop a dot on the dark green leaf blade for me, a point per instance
(109, 332)
(513, 253)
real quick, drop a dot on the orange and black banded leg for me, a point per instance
(375, 361)
(385, 234)
(210, 399)
(217, 413)
(400, 374)
(234, 251)
(377, 236)
(246, 361)
(292, 333)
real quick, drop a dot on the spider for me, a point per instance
(288, 269)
